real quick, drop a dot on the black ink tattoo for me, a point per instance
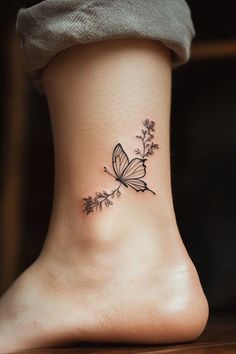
(127, 173)
(148, 146)
(91, 204)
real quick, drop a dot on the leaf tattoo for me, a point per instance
(91, 204)
(127, 172)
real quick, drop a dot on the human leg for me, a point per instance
(122, 273)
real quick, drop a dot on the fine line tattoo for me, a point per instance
(127, 173)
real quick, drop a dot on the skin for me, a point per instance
(122, 274)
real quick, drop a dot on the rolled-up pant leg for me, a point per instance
(52, 26)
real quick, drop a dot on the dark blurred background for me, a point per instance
(203, 145)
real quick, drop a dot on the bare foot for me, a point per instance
(139, 287)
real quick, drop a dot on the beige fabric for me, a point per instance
(51, 26)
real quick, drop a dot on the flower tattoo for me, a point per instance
(127, 172)
(148, 146)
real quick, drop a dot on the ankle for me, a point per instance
(112, 226)
(110, 239)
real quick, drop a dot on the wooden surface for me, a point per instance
(213, 49)
(218, 338)
(13, 161)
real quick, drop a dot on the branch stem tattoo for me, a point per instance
(127, 173)
(146, 138)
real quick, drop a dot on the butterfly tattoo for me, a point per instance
(128, 173)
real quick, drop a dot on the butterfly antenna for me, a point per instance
(106, 170)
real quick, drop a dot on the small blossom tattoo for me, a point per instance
(147, 136)
(127, 173)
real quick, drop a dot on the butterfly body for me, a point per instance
(121, 181)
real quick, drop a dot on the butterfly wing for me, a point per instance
(135, 169)
(137, 184)
(120, 160)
